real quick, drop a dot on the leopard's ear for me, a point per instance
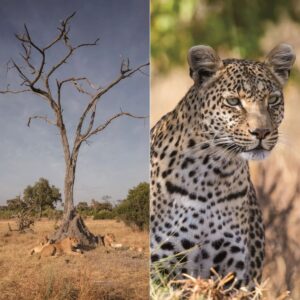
(204, 62)
(280, 61)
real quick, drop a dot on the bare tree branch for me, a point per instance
(69, 53)
(45, 118)
(125, 66)
(97, 96)
(80, 89)
(26, 56)
(63, 31)
(95, 43)
(92, 120)
(9, 91)
(101, 127)
(75, 79)
(21, 74)
(26, 39)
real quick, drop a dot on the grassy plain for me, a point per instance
(100, 274)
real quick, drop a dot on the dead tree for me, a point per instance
(24, 219)
(39, 79)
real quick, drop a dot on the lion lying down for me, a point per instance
(43, 243)
(65, 246)
(109, 240)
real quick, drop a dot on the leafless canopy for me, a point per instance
(35, 78)
(39, 78)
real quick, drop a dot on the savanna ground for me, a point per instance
(101, 273)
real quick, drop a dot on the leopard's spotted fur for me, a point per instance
(204, 211)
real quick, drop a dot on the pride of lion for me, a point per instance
(69, 245)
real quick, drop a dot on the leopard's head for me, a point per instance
(241, 101)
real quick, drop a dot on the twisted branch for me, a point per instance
(45, 118)
(36, 77)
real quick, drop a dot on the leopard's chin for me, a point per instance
(255, 154)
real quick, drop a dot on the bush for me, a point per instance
(52, 214)
(134, 210)
(85, 212)
(103, 215)
(6, 214)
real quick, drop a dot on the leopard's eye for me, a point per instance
(232, 101)
(274, 100)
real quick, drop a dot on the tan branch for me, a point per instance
(21, 73)
(118, 79)
(97, 96)
(26, 39)
(95, 43)
(75, 79)
(45, 118)
(101, 127)
(29, 40)
(26, 56)
(61, 62)
(63, 31)
(125, 66)
(9, 91)
(92, 121)
(69, 53)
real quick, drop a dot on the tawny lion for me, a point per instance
(65, 246)
(109, 240)
(43, 243)
(137, 249)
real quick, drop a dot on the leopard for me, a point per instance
(205, 218)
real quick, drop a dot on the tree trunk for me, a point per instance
(69, 188)
(40, 211)
(72, 224)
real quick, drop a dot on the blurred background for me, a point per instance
(241, 29)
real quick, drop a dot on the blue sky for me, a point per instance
(116, 159)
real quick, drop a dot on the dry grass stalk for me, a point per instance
(192, 288)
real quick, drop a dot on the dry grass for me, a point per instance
(192, 288)
(100, 274)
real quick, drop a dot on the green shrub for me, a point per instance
(85, 212)
(52, 214)
(103, 215)
(134, 210)
(6, 214)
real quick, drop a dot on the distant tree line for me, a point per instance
(40, 200)
(133, 211)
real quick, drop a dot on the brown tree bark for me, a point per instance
(72, 223)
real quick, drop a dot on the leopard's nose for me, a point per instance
(260, 133)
